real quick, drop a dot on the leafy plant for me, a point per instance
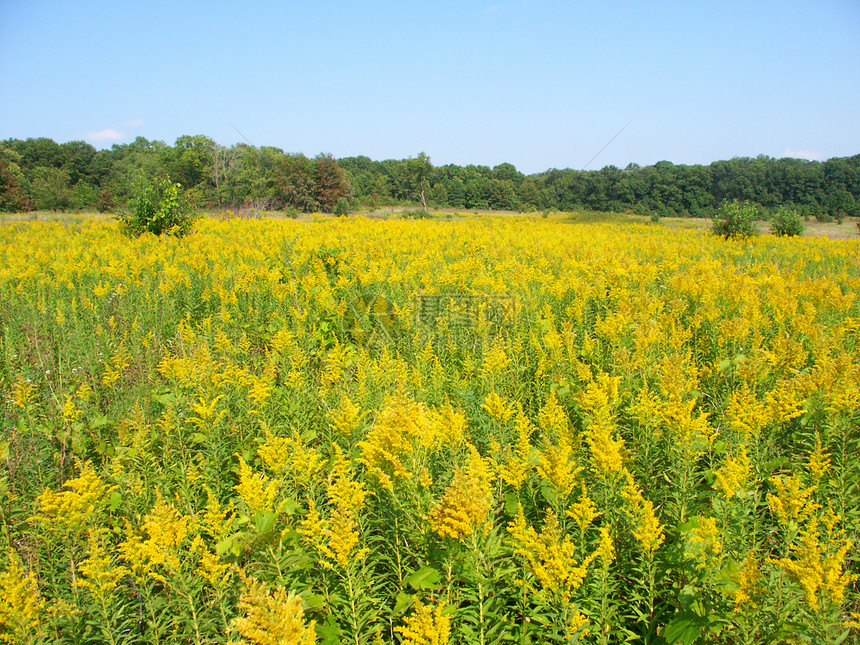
(341, 208)
(158, 209)
(735, 220)
(787, 223)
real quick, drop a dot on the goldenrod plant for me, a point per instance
(479, 430)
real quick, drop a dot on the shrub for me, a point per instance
(735, 220)
(159, 209)
(341, 208)
(787, 223)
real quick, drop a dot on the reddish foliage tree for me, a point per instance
(330, 182)
(12, 198)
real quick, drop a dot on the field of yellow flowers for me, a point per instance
(486, 430)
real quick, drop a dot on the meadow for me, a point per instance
(476, 430)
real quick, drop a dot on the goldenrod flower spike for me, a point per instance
(466, 502)
(271, 617)
(425, 625)
(20, 603)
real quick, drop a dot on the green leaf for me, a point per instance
(115, 500)
(686, 629)
(314, 601)
(328, 631)
(288, 506)
(231, 543)
(512, 503)
(424, 578)
(402, 604)
(265, 522)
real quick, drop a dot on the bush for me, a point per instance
(341, 208)
(787, 223)
(159, 209)
(735, 220)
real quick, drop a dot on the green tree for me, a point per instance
(786, 222)
(418, 171)
(159, 208)
(293, 183)
(50, 189)
(734, 220)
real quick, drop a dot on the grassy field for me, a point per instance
(848, 229)
(468, 429)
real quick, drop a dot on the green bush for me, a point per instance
(158, 209)
(787, 223)
(735, 220)
(341, 208)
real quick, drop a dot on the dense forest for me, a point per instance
(42, 174)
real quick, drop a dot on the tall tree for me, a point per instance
(330, 182)
(12, 198)
(418, 172)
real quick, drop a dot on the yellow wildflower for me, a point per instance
(703, 543)
(314, 529)
(692, 433)
(99, 573)
(631, 494)
(577, 625)
(271, 617)
(425, 625)
(498, 407)
(605, 548)
(732, 476)
(450, 425)
(256, 490)
(583, 511)
(70, 509)
(346, 416)
(749, 576)
(343, 491)
(466, 502)
(519, 461)
(818, 462)
(607, 451)
(70, 412)
(399, 428)
(205, 411)
(792, 501)
(164, 529)
(648, 531)
(23, 392)
(552, 418)
(336, 537)
(747, 414)
(557, 467)
(212, 570)
(215, 520)
(20, 603)
(495, 361)
(550, 555)
(817, 569)
(291, 456)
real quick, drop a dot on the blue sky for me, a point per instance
(539, 84)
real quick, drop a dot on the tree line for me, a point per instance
(42, 174)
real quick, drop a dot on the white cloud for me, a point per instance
(133, 123)
(812, 155)
(104, 135)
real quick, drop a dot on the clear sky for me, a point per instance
(539, 84)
